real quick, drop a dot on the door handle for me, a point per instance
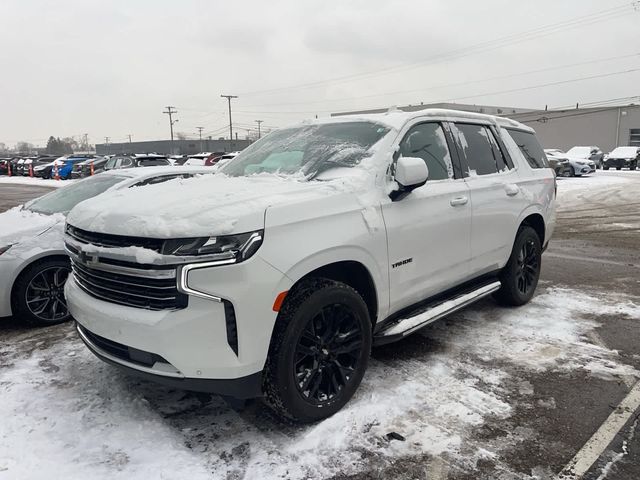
(511, 189)
(457, 201)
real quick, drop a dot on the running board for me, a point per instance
(422, 317)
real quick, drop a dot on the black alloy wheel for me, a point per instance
(327, 354)
(319, 350)
(528, 267)
(519, 277)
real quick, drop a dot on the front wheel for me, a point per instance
(519, 277)
(38, 293)
(319, 351)
(572, 171)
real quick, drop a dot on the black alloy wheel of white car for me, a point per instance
(519, 277)
(38, 293)
(319, 352)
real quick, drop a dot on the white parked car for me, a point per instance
(33, 262)
(584, 160)
(275, 276)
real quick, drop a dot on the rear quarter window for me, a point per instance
(529, 147)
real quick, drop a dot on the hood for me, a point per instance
(18, 225)
(202, 206)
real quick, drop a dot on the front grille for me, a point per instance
(109, 240)
(129, 290)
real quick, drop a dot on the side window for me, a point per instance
(428, 142)
(480, 149)
(530, 148)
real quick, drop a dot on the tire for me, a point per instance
(309, 376)
(520, 275)
(618, 168)
(605, 168)
(37, 297)
(572, 171)
(633, 166)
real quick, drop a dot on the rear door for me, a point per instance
(428, 231)
(495, 195)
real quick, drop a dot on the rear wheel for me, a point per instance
(520, 275)
(38, 293)
(319, 351)
(618, 168)
(605, 168)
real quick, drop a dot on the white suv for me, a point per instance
(275, 277)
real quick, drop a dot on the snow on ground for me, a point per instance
(572, 189)
(19, 180)
(64, 411)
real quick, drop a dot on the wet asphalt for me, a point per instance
(595, 249)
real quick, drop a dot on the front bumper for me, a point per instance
(192, 342)
(137, 363)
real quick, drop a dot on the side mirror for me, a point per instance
(411, 173)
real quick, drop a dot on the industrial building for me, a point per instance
(607, 127)
(175, 147)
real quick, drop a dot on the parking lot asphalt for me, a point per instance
(488, 393)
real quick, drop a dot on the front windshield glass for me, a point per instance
(64, 199)
(308, 150)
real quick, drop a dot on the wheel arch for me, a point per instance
(536, 221)
(349, 270)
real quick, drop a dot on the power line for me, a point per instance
(596, 17)
(448, 85)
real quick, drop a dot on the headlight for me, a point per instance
(237, 247)
(5, 248)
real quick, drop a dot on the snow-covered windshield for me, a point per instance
(308, 150)
(64, 199)
(580, 151)
(624, 152)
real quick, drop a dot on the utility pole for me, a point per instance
(106, 141)
(259, 122)
(200, 135)
(229, 97)
(85, 140)
(129, 137)
(170, 111)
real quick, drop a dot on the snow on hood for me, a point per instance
(203, 206)
(18, 225)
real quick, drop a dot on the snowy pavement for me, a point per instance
(489, 392)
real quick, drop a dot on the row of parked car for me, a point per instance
(84, 165)
(579, 161)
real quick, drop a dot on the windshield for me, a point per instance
(308, 150)
(580, 151)
(64, 199)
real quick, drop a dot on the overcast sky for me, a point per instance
(108, 68)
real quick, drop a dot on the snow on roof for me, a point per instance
(396, 119)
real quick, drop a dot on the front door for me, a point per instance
(428, 231)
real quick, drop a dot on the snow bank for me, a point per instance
(41, 182)
(64, 411)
